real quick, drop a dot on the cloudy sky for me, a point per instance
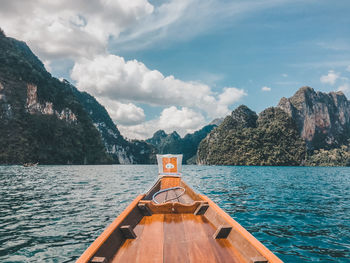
(178, 64)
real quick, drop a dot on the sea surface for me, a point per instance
(53, 213)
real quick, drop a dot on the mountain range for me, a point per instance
(47, 120)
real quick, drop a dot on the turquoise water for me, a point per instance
(53, 213)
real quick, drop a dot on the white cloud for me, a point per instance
(266, 88)
(348, 68)
(123, 113)
(330, 78)
(69, 29)
(169, 22)
(345, 88)
(171, 119)
(284, 75)
(231, 95)
(110, 76)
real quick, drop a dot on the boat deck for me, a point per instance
(176, 238)
(175, 225)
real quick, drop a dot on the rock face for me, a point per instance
(174, 144)
(244, 138)
(40, 118)
(323, 119)
(49, 121)
(33, 106)
(121, 150)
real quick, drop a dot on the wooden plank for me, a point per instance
(130, 247)
(185, 199)
(167, 208)
(167, 182)
(175, 246)
(223, 249)
(160, 198)
(189, 191)
(199, 249)
(152, 240)
(171, 195)
(237, 228)
(93, 248)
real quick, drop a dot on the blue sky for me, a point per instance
(176, 65)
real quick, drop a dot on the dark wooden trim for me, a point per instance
(128, 232)
(144, 209)
(201, 209)
(222, 232)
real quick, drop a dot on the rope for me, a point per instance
(168, 189)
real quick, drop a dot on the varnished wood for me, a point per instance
(112, 228)
(241, 234)
(168, 182)
(175, 238)
(172, 208)
(190, 228)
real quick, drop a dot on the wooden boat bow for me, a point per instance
(189, 228)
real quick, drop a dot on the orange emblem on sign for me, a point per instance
(170, 165)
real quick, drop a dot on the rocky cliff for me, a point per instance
(45, 120)
(40, 118)
(310, 128)
(323, 120)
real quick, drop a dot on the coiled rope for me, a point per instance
(168, 189)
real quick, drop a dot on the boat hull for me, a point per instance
(189, 228)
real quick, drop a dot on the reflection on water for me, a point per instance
(53, 213)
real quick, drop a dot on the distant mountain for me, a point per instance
(45, 120)
(174, 144)
(244, 138)
(310, 128)
(323, 120)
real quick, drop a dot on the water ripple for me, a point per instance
(53, 213)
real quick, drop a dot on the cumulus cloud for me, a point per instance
(63, 33)
(110, 76)
(265, 88)
(330, 78)
(345, 88)
(123, 113)
(69, 29)
(183, 121)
